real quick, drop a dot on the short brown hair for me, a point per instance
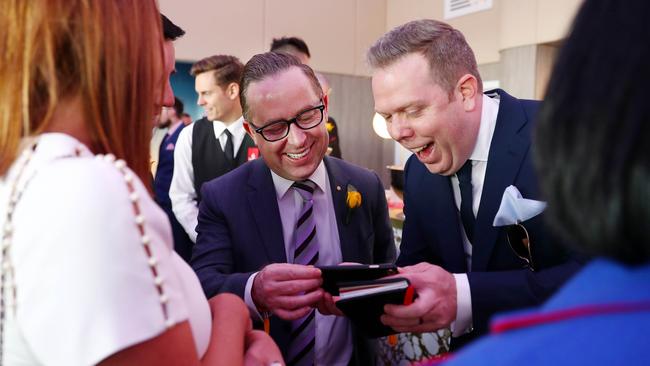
(264, 65)
(227, 69)
(444, 47)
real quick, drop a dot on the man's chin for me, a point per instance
(437, 168)
(300, 173)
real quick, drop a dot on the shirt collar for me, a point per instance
(282, 185)
(489, 114)
(236, 128)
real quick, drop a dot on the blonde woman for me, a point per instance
(88, 272)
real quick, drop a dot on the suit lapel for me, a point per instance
(263, 204)
(507, 151)
(339, 181)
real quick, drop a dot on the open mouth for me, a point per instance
(299, 155)
(423, 150)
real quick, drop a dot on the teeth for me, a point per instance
(418, 149)
(298, 156)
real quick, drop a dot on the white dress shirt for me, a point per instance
(181, 190)
(479, 158)
(333, 334)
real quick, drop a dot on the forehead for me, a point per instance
(205, 81)
(406, 81)
(280, 96)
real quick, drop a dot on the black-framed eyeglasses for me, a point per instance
(519, 242)
(305, 120)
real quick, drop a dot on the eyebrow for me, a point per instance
(295, 115)
(404, 107)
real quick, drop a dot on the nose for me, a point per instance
(200, 101)
(168, 95)
(399, 129)
(296, 137)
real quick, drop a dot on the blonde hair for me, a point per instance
(108, 53)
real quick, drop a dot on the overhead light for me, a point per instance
(379, 126)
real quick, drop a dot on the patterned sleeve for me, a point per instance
(85, 282)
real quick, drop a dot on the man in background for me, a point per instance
(293, 46)
(213, 145)
(171, 32)
(173, 125)
(187, 119)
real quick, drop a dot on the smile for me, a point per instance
(418, 149)
(299, 155)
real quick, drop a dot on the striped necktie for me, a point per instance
(305, 251)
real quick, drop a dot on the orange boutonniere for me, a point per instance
(330, 126)
(353, 200)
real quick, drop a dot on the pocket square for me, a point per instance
(170, 146)
(515, 209)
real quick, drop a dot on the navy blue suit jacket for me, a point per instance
(240, 230)
(161, 183)
(432, 227)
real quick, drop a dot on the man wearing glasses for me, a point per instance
(263, 226)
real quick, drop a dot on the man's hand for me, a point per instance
(287, 290)
(435, 307)
(261, 350)
(327, 306)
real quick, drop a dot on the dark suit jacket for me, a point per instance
(432, 228)
(240, 231)
(163, 179)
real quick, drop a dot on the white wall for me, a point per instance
(510, 23)
(338, 32)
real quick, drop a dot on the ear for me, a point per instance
(249, 131)
(326, 100)
(467, 89)
(233, 91)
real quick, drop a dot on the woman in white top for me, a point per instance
(88, 271)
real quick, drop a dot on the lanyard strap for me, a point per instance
(530, 320)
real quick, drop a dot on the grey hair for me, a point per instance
(264, 65)
(444, 47)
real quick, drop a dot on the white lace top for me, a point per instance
(84, 282)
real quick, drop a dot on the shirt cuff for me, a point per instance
(248, 298)
(463, 322)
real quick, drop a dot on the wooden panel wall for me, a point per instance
(352, 106)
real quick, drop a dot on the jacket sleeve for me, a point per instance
(212, 258)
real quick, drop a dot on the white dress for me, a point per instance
(84, 285)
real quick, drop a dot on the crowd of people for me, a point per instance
(200, 243)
